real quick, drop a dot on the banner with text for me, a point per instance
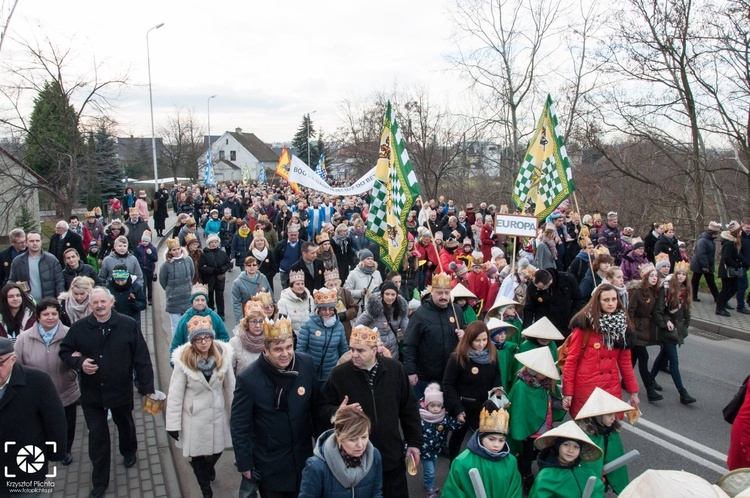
(301, 173)
(516, 225)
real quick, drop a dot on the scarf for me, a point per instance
(359, 232)
(283, 380)
(244, 232)
(347, 470)
(206, 366)
(260, 255)
(329, 262)
(367, 270)
(340, 240)
(253, 343)
(532, 381)
(432, 418)
(476, 447)
(613, 326)
(47, 335)
(481, 357)
(74, 310)
(351, 462)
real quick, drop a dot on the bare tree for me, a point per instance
(183, 143)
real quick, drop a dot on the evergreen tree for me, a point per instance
(26, 221)
(105, 158)
(300, 142)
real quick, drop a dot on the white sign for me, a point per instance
(301, 173)
(516, 225)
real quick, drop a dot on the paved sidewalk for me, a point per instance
(704, 317)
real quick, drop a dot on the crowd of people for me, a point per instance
(350, 375)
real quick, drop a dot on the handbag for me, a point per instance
(733, 272)
(733, 407)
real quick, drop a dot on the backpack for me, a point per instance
(562, 350)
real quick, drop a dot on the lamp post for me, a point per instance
(151, 105)
(308, 137)
(208, 105)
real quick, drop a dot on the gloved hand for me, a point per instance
(174, 435)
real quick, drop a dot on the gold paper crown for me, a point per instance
(258, 233)
(90, 214)
(583, 241)
(332, 275)
(441, 281)
(295, 276)
(364, 336)
(172, 243)
(190, 221)
(681, 266)
(190, 238)
(325, 298)
(133, 210)
(264, 298)
(199, 289)
(662, 256)
(668, 226)
(280, 330)
(252, 307)
(323, 237)
(597, 217)
(601, 250)
(199, 323)
(496, 421)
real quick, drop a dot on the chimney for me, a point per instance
(238, 130)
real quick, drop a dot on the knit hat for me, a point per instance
(662, 260)
(637, 244)
(198, 326)
(496, 251)
(93, 243)
(198, 290)
(439, 236)
(433, 394)
(211, 237)
(364, 254)
(388, 285)
(120, 272)
(146, 237)
(6, 346)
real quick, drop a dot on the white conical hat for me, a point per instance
(540, 360)
(743, 494)
(460, 291)
(736, 482)
(543, 329)
(496, 323)
(672, 483)
(601, 403)
(570, 430)
(501, 302)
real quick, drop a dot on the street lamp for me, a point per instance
(308, 137)
(151, 105)
(208, 104)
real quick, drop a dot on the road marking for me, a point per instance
(676, 449)
(683, 440)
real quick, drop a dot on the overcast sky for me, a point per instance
(268, 62)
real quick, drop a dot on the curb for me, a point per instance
(716, 328)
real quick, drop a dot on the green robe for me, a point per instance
(556, 482)
(501, 478)
(506, 361)
(469, 315)
(528, 410)
(528, 345)
(516, 322)
(613, 449)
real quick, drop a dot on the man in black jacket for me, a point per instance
(32, 416)
(703, 262)
(64, 239)
(380, 387)
(110, 346)
(17, 238)
(554, 294)
(311, 266)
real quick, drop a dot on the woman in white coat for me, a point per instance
(200, 398)
(296, 303)
(364, 279)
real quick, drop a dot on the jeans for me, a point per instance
(100, 452)
(668, 352)
(696, 279)
(639, 354)
(174, 319)
(428, 473)
(728, 289)
(741, 290)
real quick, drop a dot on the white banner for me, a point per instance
(514, 224)
(301, 173)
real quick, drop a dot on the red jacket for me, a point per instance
(739, 441)
(447, 258)
(479, 284)
(598, 367)
(428, 253)
(487, 242)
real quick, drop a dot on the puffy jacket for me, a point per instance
(114, 259)
(374, 317)
(212, 226)
(180, 335)
(631, 266)
(296, 309)
(176, 278)
(50, 273)
(123, 304)
(611, 238)
(661, 315)
(325, 345)
(243, 288)
(704, 255)
(641, 303)
(146, 260)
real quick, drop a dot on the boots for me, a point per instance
(527, 482)
(201, 470)
(685, 398)
(655, 385)
(432, 492)
(653, 394)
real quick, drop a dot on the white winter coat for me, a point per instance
(297, 310)
(200, 409)
(358, 280)
(242, 357)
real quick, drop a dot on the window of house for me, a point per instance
(227, 141)
(221, 155)
(232, 155)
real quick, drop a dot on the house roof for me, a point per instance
(230, 163)
(255, 146)
(22, 165)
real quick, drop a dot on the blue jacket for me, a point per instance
(318, 479)
(243, 288)
(180, 336)
(324, 345)
(147, 261)
(212, 226)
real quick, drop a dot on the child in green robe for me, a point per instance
(561, 474)
(535, 403)
(510, 315)
(92, 258)
(506, 350)
(487, 452)
(598, 419)
(541, 333)
(461, 296)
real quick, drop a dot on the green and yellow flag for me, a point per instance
(545, 178)
(393, 195)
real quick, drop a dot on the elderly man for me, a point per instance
(272, 419)
(611, 237)
(378, 386)
(63, 239)
(105, 347)
(17, 239)
(431, 336)
(39, 269)
(32, 415)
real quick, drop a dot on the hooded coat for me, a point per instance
(641, 304)
(631, 266)
(199, 408)
(704, 255)
(388, 327)
(108, 240)
(325, 345)
(556, 481)
(176, 278)
(296, 309)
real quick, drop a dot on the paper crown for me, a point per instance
(258, 233)
(647, 268)
(141, 193)
(198, 290)
(280, 330)
(583, 241)
(441, 281)
(364, 336)
(602, 403)
(477, 258)
(682, 266)
(252, 308)
(323, 237)
(296, 276)
(198, 324)
(173, 243)
(325, 298)
(601, 251)
(190, 221)
(190, 238)
(90, 214)
(133, 210)
(331, 275)
(668, 226)
(264, 298)
(662, 256)
(543, 329)
(597, 217)
(459, 291)
(570, 430)
(495, 421)
(540, 360)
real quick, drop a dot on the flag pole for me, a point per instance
(591, 263)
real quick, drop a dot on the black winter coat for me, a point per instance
(31, 414)
(648, 243)
(212, 263)
(135, 232)
(670, 247)
(346, 257)
(123, 304)
(6, 258)
(118, 348)
(83, 270)
(390, 405)
(275, 442)
(430, 339)
(466, 387)
(558, 303)
(57, 247)
(315, 281)
(704, 255)
(730, 256)
(661, 315)
(641, 304)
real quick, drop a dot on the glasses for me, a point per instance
(2, 362)
(255, 322)
(250, 265)
(204, 339)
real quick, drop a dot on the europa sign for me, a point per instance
(516, 225)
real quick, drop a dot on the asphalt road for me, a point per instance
(669, 435)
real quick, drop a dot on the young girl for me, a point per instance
(672, 318)
(598, 419)
(535, 402)
(487, 452)
(499, 333)
(435, 426)
(642, 297)
(561, 474)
